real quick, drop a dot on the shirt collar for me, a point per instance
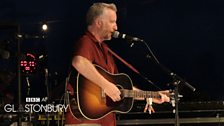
(88, 33)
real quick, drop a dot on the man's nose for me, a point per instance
(115, 27)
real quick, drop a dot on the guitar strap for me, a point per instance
(123, 61)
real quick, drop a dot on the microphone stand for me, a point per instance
(177, 80)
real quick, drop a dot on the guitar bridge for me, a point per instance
(103, 96)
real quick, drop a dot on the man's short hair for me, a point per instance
(97, 9)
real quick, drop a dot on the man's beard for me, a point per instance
(108, 37)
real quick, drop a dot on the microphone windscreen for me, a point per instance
(116, 34)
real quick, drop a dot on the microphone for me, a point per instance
(117, 34)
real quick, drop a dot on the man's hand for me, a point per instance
(164, 97)
(112, 91)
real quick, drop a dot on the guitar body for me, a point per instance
(91, 102)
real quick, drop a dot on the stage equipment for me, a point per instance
(28, 64)
(199, 113)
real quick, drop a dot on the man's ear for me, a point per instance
(98, 21)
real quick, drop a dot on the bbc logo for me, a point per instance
(32, 99)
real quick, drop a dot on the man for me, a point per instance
(90, 49)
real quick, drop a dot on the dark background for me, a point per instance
(186, 37)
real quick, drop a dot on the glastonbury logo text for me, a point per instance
(35, 106)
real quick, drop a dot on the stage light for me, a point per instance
(44, 27)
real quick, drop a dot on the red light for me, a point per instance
(28, 65)
(27, 68)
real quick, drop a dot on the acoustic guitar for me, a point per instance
(90, 102)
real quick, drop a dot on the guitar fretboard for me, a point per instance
(139, 94)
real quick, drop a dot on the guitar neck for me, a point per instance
(139, 94)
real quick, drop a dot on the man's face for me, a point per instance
(109, 24)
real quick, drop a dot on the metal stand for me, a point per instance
(19, 77)
(29, 118)
(28, 86)
(177, 80)
(66, 98)
(47, 90)
(176, 100)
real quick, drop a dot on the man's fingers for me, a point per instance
(115, 97)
